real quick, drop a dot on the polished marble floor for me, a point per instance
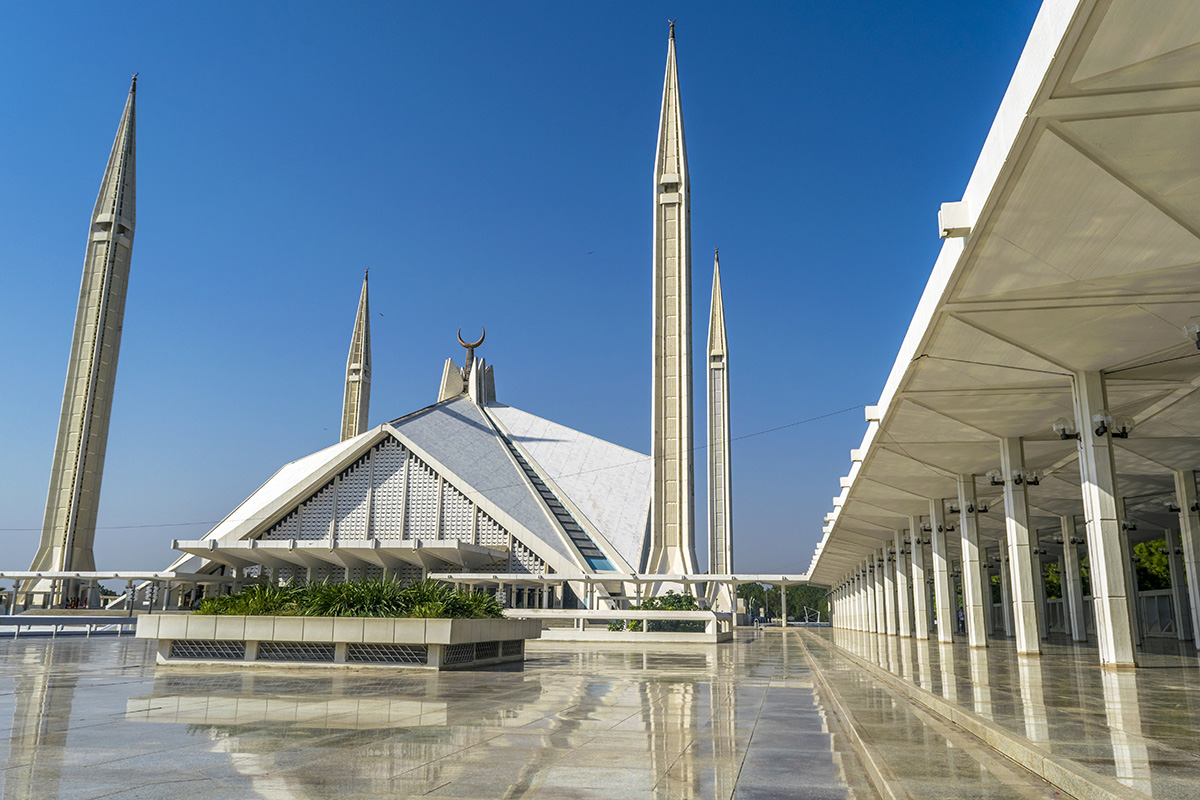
(1141, 727)
(96, 718)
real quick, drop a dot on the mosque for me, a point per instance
(467, 484)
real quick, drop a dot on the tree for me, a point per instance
(1153, 565)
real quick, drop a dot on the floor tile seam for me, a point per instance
(741, 764)
(442, 757)
(1067, 774)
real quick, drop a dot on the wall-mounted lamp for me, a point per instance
(1171, 506)
(1128, 525)
(1058, 539)
(1192, 329)
(1178, 551)
(1065, 429)
(952, 508)
(926, 529)
(918, 540)
(1119, 427)
(982, 508)
(995, 477)
(1077, 540)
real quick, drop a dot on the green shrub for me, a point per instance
(665, 602)
(363, 598)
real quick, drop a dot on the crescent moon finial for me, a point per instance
(469, 345)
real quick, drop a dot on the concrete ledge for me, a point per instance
(1070, 776)
(882, 778)
(336, 641)
(634, 637)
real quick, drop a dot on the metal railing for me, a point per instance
(51, 625)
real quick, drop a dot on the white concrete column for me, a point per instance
(1189, 538)
(869, 578)
(972, 574)
(943, 597)
(1021, 558)
(880, 604)
(920, 592)
(1072, 580)
(1039, 584)
(864, 616)
(1110, 590)
(889, 592)
(903, 592)
(1135, 602)
(1183, 616)
(855, 610)
(1005, 589)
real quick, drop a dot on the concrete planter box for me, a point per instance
(337, 641)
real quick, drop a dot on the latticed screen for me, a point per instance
(458, 653)
(487, 650)
(295, 651)
(514, 647)
(215, 649)
(421, 502)
(386, 654)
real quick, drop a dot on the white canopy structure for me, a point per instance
(1064, 302)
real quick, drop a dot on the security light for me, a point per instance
(1065, 429)
(1192, 329)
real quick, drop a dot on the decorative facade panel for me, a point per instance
(388, 496)
(456, 514)
(352, 497)
(421, 503)
(490, 532)
(316, 514)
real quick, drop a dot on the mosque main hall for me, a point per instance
(467, 484)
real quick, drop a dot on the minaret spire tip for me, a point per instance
(672, 23)
(133, 84)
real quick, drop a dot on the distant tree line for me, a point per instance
(758, 596)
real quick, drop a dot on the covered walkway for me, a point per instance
(1042, 419)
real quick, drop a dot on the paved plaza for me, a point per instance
(95, 718)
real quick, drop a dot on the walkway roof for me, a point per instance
(1083, 254)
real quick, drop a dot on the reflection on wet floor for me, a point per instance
(96, 718)
(1141, 727)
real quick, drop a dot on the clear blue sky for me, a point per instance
(491, 164)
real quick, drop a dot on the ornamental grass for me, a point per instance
(362, 598)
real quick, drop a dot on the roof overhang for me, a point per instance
(1082, 254)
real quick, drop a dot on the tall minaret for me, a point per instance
(358, 372)
(672, 526)
(720, 483)
(70, 523)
